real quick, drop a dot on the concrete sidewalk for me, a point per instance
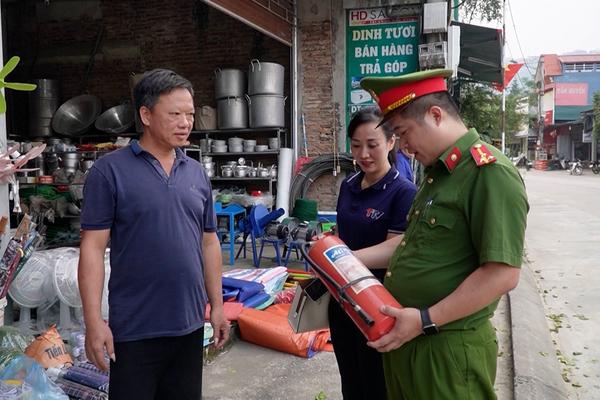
(536, 370)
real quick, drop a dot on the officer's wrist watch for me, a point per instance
(428, 327)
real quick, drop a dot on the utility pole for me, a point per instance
(503, 83)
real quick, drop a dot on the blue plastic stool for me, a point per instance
(230, 212)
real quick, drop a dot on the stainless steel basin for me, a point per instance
(76, 115)
(116, 119)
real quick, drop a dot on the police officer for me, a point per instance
(461, 252)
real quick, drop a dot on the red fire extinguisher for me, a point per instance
(357, 290)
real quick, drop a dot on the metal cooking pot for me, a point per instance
(274, 143)
(70, 161)
(262, 172)
(235, 141)
(236, 148)
(273, 171)
(232, 113)
(240, 171)
(266, 111)
(265, 78)
(229, 83)
(76, 115)
(206, 159)
(226, 171)
(208, 165)
(210, 173)
(252, 172)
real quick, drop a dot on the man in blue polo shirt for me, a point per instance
(155, 205)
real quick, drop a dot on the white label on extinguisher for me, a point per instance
(349, 267)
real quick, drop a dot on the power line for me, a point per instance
(518, 41)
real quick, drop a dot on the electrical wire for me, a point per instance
(317, 167)
(517, 37)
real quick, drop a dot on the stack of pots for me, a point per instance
(43, 103)
(235, 145)
(232, 110)
(209, 166)
(266, 102)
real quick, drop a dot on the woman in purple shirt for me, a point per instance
(372, 207)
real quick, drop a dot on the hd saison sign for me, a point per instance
(377, 45)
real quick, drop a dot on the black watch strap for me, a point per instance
(429, 328)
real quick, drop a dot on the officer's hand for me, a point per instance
(407, 327)
(220, 326)
(98, 342)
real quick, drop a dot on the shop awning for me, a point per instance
(569, 113)
(274, 19)
(480, 53)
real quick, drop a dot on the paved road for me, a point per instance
(563, 244)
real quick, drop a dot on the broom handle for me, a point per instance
(304, 135)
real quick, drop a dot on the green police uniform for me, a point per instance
(470, 209)
(464, 215)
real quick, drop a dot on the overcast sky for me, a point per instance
(552, 26)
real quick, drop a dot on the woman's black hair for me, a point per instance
(369, 115)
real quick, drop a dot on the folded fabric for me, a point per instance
(271, 278)
(89, 366)
(270, 328)
(260, 275)
(230, 293)
(87, 378)
(231, 311)
(256, 300)
(247, 288)
(266, 304)
(78, 391)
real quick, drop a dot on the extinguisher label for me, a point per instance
(349, 267)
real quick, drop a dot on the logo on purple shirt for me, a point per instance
(374, 214)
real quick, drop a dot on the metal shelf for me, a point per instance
(246, 130)
(246, 178)
(24, 185)
(243, 153)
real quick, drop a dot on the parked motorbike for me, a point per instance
(576, 168)
(595, 166)
(557, 164)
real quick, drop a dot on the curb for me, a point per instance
(537, 372)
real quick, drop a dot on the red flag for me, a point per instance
(509, 73)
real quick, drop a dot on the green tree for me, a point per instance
(488, 10)
(480, 108)
(596, 115)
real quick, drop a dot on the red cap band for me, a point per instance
(401, 95)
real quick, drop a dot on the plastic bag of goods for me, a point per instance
(25, 379)
(49, 350)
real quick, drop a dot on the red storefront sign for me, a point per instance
(571, 94)
(548, 120)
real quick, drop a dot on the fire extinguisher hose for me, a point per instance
(341, 290)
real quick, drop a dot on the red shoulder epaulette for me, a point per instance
(482, 155)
